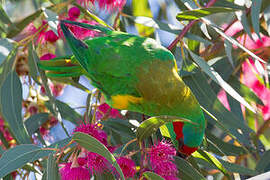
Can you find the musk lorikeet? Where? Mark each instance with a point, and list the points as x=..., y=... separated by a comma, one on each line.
x=134, y=73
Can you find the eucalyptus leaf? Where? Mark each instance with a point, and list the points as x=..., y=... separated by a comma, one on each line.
x=266, y=15
x=233, y=167
x=152, y=176
x=52, y=19
x=11, y=106
x=211, y=160
x=218, y=79
x=3, y=16
x=18, y=156
x=33, y=123
x=19, y=26
x=263, y=162
x=93, y=145
x=52, y=169
x=202, y=12
x=32, y=63
x=185, y=167
x=255, y=16
x=66, y=111
x=151, y=125
x=6, y=46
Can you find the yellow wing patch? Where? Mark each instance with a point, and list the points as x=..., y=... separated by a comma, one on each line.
x=122, y=101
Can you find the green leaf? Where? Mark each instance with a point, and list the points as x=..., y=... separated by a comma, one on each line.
x=255, y=15
x=241, y=15
x=6, y=46
x=18, y=156
x=120, y=126
x=19, y=26
x=218, y=79
x=228, y=4
x=66, y=112
x=233, y=41
x=52, y=169
x=220, y=116
x=93, y=145
x=228, y=50
x=152, y=176
x=52, y=19
x=247, y=93
x=199, y=13
x=211, y=160
x=11, y=106
x=33, y=123
x=232, y=167
x=185, y=167
x=266, y=15
x=150, y=22
x=227, y=148
x=3, y=16
x=151, y=125
x=263, y=162
x=32, y=63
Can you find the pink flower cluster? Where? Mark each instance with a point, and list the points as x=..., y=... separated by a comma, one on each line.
x=6, y=133
x=80, y=33
x=110, y=5
x=105, y=109
x=250, y=72
x=161, y=158
x=89, y=163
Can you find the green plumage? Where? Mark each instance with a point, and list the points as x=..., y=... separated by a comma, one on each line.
x=134, y=73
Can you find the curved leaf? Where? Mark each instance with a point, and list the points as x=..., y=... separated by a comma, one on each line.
x=151, y=125
x=152, y=176
x=211, y=160
x=218, y=79
x=199, y=13
x=11, y=106
x=52, y=169
x=92, y=144
x=185, y=167
x=263, y=162
x=18, y=156
x=35, y=121
x=255, y=15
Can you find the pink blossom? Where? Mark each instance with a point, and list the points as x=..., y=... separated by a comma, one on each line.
x=77, y=173
x=163, y=151
x=97, y=163
x=161, y=158
x=165, y=169
x=47, y=56
x=104, y=108
x=128, y=166
x=248, y=68
x=110, y=5
x=74, y=12
x=223, y=99
x=31, y=30
x=94, y=131
x=79, y=32
x=50, y=36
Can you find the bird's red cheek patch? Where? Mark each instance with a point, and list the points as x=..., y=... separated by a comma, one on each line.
x=178, y=129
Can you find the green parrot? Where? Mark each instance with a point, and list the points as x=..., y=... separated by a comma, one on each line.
x=136, y=74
